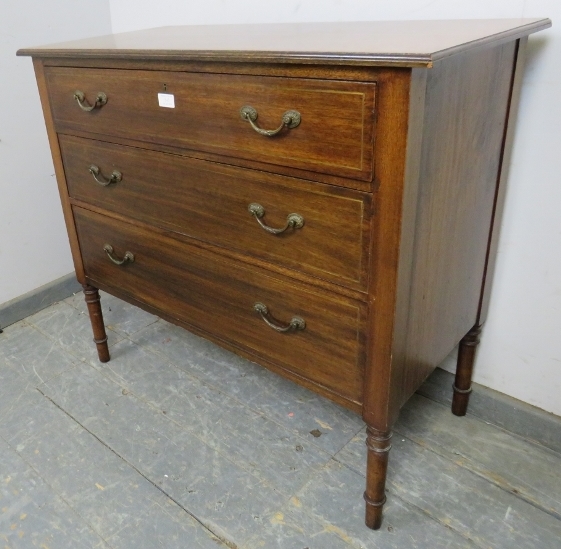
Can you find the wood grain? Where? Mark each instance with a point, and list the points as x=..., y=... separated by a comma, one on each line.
x=500, y=193
x=91, y=296
x=210, y=202
x=317, y=388
x=378, y=448
x=235, y=256
x=322, y=72
x=464, y=370
x=391, y=152
x=202, y=289
x=335, y=134
x=59, y=171
x=395, y=43
x=466, y=104
x=394, y=168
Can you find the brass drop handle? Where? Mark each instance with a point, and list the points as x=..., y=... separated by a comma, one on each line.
x=115, y=176
x=290, y=119
x=297, y=322
x=293, y=220
x=80, y=97
x=128, y=258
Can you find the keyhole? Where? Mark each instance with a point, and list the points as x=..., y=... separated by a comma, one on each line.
x=165, y=87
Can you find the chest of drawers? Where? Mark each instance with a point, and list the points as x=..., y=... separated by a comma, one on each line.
x=319, y=198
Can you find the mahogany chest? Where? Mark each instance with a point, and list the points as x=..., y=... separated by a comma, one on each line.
x=319, y=198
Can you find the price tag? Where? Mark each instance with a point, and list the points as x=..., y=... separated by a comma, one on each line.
x=166, y=100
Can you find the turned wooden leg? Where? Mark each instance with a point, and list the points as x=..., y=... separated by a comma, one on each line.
x=379, y=446
x=464, y=370
x=96, y=318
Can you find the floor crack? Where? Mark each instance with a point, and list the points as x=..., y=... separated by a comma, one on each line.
x=225, y=541
x=57, y=494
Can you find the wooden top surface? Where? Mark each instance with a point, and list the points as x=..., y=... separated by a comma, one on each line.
x=402, y=43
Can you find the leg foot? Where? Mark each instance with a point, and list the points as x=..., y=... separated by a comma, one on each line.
x=379, y=446
x=464, y=370
x=91, y=295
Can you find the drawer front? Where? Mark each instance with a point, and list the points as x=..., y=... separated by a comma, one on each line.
x=217, y=295
x=334, y=136
x=210, y=202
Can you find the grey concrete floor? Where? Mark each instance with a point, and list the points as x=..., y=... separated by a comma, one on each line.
x=176, y=443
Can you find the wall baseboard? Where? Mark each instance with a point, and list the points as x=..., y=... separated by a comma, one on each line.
x=502, y=410
x=40, y=298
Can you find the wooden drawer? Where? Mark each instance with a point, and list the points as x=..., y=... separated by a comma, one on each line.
x=216, y=295
x=210, y=202
x=335, y=134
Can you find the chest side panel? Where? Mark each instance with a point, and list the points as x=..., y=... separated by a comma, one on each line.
x=466, y=111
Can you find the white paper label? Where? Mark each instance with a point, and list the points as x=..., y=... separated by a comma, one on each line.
x=166, y=100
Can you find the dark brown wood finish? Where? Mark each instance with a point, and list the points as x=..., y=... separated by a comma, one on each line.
x=428, y=276
x=365, y=186
x=334, y=136
x=378, y=445
x=210, y=202
x=241, y=351
x=317, y=72
x=502, y=179
x=464, y=371
x=392, y=266
x=203, y=290
x=397, y=88
x=370, y=43
x=233, y=255
x=314, y=72
x=466, y=101
x=91, y=295
x=59, y=170
x=468, y=344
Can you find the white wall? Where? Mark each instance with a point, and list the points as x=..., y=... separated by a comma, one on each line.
x=34, y=248
x=520, y=353
x=136, y=14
